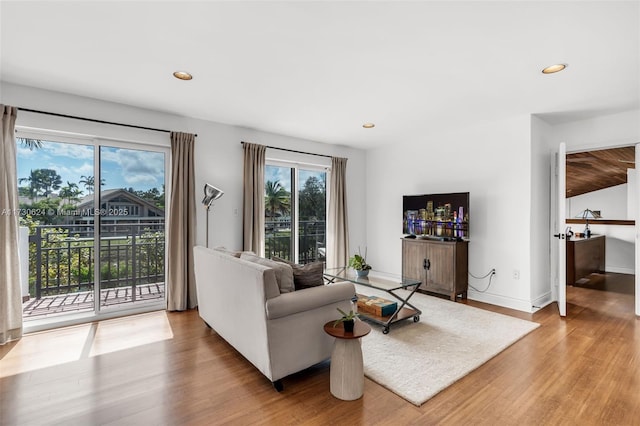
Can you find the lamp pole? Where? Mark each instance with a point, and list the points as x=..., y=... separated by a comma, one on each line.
x=207, y=227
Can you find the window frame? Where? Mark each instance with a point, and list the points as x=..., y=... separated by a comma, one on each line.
x=96, y=141
x=296, y=166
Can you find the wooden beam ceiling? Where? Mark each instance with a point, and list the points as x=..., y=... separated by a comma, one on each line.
x=594, y=170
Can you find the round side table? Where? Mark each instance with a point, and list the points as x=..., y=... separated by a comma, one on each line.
x=347, y=371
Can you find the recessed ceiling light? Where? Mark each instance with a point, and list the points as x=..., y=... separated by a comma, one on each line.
x=182, y=75
x=554, y=68
x=368, y=125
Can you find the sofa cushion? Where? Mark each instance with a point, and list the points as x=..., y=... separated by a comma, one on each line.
x=313, y=298
x=225, y=250
x=284, y=272
x=305, y=276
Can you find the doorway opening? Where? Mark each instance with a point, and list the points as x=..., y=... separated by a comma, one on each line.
x=601, y=207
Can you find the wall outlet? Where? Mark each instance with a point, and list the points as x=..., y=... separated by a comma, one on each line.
x=516, y=274
x=493, y=272
x=235, y=212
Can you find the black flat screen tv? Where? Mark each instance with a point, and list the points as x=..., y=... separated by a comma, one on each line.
x=436, y=216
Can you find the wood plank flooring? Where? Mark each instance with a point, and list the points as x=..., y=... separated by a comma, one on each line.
x=169, y=368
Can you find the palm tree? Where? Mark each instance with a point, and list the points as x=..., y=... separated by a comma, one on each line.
x=34, y=184
x=277, y=199
x=31, y=143
x=89, y=183
x=70, y=192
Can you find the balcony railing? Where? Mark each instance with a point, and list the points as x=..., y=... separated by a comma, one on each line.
x=311, y=245
x=62, y=258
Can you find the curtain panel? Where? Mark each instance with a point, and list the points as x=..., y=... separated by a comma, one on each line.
x=337, y=225
x=253, y=199
x=181, y=283
x=10, y=290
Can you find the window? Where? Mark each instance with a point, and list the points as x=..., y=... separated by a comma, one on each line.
x=295, y=212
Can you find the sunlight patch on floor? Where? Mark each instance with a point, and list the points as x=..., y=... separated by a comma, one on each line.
x=45, y=349
x=128, y=332
x=63, y=345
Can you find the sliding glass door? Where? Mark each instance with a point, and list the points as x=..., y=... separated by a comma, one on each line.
x=94, y=220
x=132, y=226
x=55, y=213
x=295, y=212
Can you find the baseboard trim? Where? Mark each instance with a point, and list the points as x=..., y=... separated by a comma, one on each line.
x=617, y=270
x=505, y=302
x=542, y=301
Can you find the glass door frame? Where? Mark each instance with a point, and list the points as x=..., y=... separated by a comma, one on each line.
x=97, y=142
x=97, y=221
x=296, y=167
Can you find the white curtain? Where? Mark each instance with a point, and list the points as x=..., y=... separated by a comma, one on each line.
x=337, y=225
x=181, y=282
x=10, y=293
x=253, y=205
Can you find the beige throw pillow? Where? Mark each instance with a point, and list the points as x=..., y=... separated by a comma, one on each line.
x=305, y=276
x=284, y=272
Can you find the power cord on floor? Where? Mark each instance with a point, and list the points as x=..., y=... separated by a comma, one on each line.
x=489, y=274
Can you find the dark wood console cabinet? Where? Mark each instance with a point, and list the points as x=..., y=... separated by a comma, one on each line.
x=441, y=265
x=584, y=256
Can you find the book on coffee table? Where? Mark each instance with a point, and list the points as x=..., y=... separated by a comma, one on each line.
x=376, y=305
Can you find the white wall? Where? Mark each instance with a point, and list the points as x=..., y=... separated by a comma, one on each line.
x=611, y=202
x=465, y=159
x=219, y=162
x=542, y=168
x=218, y=152
x=600, y=132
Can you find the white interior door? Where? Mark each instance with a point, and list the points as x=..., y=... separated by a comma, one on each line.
x=637, y=218
x=561, y=165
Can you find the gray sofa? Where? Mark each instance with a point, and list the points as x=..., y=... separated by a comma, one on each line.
x=280, y=333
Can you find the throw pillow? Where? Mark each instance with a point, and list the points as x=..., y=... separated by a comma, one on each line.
x=284, y=272
x=305, y=276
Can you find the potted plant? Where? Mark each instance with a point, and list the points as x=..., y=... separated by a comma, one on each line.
x=359, y=263
x=348, y=319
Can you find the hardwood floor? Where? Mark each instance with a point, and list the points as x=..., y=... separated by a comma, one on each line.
x=169, y=368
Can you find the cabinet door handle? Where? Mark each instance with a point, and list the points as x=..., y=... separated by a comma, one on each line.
x=426, y=264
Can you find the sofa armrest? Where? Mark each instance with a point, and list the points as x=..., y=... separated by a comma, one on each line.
x=307, y=299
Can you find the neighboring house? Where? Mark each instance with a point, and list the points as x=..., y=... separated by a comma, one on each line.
x=116, y=206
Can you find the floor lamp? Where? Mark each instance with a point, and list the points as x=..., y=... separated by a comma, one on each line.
x=211, y=193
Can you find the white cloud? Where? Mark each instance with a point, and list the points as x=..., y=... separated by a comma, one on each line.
x=79, y=152
x=25, y=152
x=135, y=167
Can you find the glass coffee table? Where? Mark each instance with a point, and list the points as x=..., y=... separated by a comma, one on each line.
x=387, y=283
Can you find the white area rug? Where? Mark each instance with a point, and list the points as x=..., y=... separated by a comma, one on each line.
x=418, y=360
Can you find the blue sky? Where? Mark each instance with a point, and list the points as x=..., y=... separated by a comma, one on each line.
x=121, y=168
x=283, y=175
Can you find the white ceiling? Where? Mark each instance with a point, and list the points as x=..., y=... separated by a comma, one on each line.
x=318, y=70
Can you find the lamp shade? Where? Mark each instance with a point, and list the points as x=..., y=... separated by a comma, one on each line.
x=589, y=214
x=211, y=193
